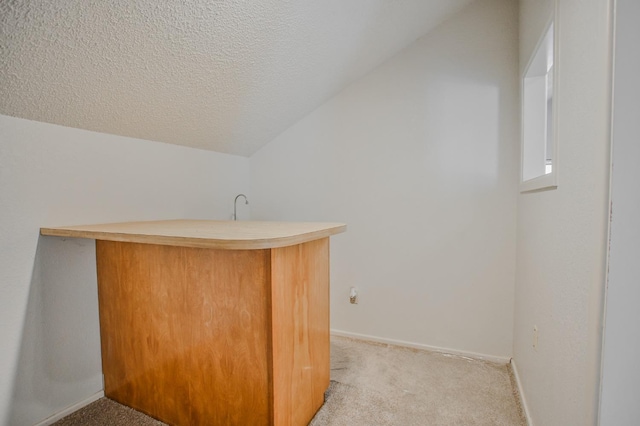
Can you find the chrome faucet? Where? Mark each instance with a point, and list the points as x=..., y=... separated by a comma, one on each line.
x=246, y=201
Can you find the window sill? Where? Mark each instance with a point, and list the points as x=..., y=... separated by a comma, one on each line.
x=541, y=183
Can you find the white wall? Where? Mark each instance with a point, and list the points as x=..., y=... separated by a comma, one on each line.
x=620, y=374
x=420, y=159
x=52, y=175
x=562, y=234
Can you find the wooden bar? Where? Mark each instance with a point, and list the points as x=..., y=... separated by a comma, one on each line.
x=198, y=331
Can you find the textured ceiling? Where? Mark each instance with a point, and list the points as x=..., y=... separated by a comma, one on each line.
x=226, y=76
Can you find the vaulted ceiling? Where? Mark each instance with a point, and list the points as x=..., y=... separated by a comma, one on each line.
x=226, y=76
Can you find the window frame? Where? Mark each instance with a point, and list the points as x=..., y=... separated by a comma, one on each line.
x=550, y=180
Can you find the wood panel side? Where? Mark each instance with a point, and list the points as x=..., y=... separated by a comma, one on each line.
x=135, y=359
x=230, y=381
x=300, y=316
x=185, y=332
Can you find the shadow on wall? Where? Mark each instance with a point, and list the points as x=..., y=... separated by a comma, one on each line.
x=59, y=362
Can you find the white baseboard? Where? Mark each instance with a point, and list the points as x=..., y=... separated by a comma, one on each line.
x=467, y=354
x=70, y=409
x=523, y=400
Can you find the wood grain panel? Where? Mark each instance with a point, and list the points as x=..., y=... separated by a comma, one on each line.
x=185, y=332
x=300, y=315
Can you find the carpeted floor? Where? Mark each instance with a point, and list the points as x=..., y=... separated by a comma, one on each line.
x=376, y=384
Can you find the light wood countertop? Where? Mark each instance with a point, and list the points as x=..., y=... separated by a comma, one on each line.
x=229, y=235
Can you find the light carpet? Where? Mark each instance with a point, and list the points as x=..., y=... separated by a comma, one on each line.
x=378, y=384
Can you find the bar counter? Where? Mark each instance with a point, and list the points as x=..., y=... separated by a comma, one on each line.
x=214, y=322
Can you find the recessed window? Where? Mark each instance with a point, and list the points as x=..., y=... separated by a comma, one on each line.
x=539, y=165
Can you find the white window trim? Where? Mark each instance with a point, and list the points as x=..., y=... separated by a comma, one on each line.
x=548, y=181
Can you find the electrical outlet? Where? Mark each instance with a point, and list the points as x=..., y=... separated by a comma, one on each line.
x=353, y=296
x=535, y=337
